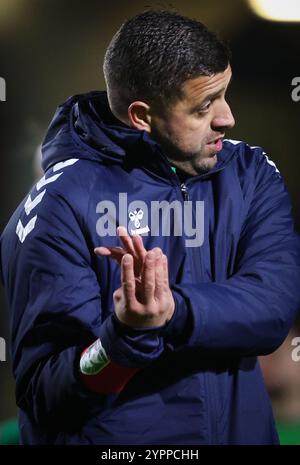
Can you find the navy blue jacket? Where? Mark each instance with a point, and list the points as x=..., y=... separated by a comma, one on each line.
x=199, y=381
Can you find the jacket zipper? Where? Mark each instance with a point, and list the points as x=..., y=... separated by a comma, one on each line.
x=184, y=191
x=209, y=387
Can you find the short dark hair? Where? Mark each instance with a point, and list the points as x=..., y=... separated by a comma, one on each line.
x=154, y=53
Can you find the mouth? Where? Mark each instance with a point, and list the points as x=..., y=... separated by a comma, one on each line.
x=217, y=144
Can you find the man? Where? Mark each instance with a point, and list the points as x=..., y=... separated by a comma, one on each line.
x=153, y=339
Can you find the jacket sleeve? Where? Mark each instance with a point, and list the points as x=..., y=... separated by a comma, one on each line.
x=249, y=313
x=55, y=301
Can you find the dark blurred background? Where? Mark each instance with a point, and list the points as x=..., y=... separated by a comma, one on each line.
x=51, y=49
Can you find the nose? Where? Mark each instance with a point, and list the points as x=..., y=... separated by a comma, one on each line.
x=223, y=117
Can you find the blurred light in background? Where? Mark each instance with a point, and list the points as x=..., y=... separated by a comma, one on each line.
x=277, y=10
x=11, y=13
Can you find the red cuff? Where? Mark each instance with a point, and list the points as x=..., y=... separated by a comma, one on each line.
x=112, y=379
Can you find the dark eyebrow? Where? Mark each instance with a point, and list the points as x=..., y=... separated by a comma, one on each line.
x=210, y=97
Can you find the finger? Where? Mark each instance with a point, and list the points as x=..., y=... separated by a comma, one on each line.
x=117, y=295
x=109, y=251
x=122, y=231
x=116, y=253
x=140, y=254
x=159, y=275
x=128, y=279
x=133, y=245
x=102, y=251
x=165, y=271
x=148, y=277
x=139, y=247
x=126, y=240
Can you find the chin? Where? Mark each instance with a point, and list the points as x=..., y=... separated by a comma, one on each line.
x=207, y=164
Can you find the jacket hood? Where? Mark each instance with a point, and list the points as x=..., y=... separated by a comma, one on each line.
x=84, y=127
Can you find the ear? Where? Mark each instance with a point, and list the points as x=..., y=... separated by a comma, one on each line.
x=139, y=116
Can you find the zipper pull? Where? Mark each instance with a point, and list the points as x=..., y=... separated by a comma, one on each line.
x=184, y=191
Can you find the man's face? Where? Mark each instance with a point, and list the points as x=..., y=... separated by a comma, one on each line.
x=192, y=129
